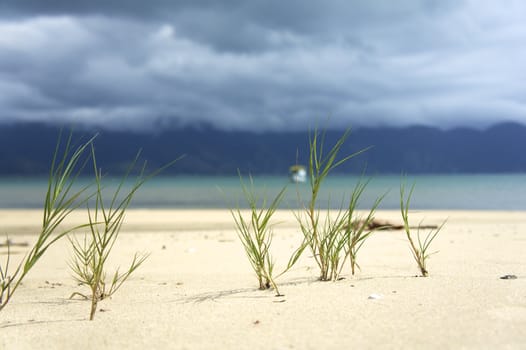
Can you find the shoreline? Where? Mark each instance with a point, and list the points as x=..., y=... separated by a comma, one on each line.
x=197, y=289
x=27, y=221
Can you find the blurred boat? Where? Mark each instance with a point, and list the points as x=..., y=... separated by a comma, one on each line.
x=297, y=174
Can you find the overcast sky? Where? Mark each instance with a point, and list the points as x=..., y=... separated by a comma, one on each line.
x=263, y=64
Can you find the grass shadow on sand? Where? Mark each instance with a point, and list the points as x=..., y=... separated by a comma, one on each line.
x=34, y=322
x=242, y=293
x=255, y=293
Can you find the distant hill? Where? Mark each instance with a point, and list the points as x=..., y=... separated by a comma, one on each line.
x=26, y=149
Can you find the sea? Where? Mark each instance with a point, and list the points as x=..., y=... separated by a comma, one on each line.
x=448, y=192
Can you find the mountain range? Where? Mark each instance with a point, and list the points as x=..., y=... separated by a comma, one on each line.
x=27, y=149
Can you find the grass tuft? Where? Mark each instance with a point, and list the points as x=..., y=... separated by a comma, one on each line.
x=420, y=248
x=61, y=199
x=327, y=241
x=105, y=222
x=256, y=233
x=357, y=227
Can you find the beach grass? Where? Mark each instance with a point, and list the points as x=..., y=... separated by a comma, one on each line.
x=420, y=248
x=327, y=240
x=256, y=233
x=357, y=227
x=90, y=256
x=60, y=200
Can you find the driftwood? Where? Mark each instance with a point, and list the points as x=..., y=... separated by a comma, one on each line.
x=10, y=243
x=380, y=225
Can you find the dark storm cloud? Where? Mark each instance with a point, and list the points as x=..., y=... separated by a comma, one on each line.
x=262, y=64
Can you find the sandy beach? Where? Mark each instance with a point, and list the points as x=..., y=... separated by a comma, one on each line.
x=197, y=289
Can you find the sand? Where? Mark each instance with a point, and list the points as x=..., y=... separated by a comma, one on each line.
x=197, y=290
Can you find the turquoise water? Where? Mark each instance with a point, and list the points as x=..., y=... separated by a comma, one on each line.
x=477, y=192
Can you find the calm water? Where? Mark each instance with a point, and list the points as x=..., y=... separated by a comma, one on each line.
x=504, y=192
